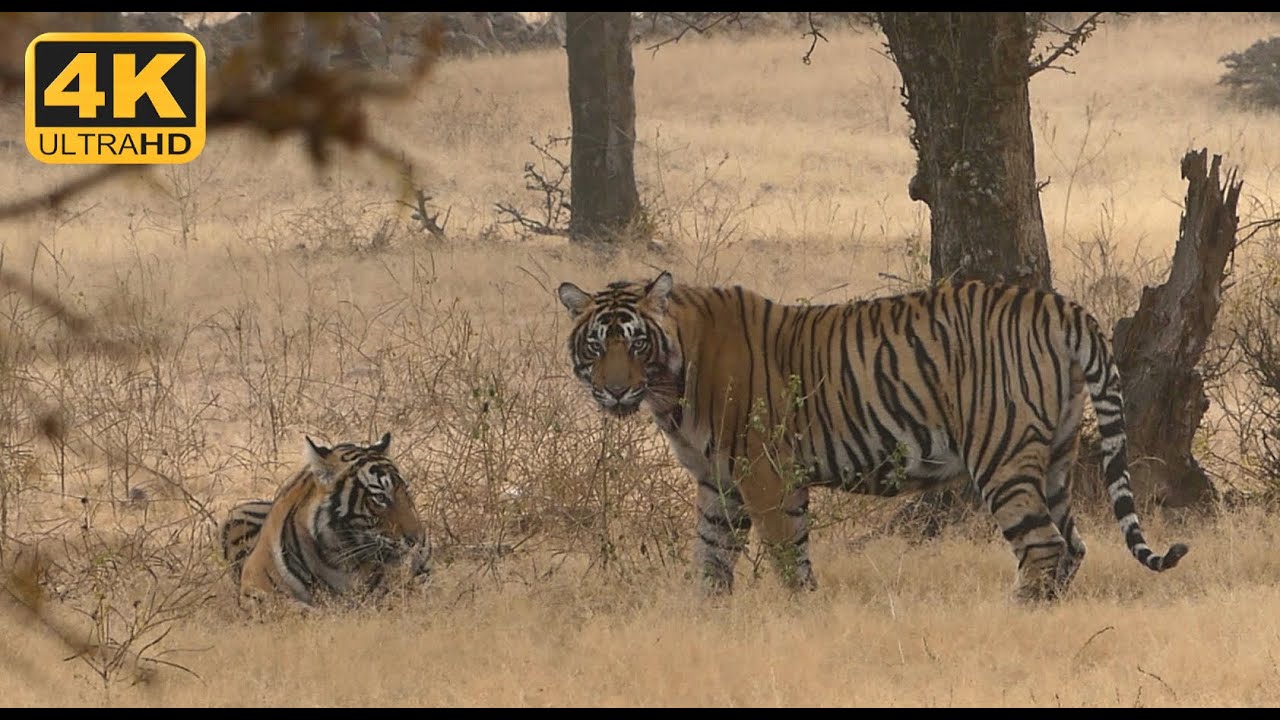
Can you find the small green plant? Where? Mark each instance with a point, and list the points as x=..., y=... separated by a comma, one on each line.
x=898, y=466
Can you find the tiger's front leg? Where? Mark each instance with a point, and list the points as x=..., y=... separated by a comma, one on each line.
x=723, y=527
x=263, y=606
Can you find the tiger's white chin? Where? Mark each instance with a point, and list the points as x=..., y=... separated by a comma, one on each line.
x=620, y=409
x=624, y=410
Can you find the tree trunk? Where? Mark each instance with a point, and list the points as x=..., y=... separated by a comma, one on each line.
x=603, y=197
x=965, y=78
x=1159, y=348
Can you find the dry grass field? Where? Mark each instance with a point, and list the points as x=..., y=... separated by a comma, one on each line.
x=266, y=301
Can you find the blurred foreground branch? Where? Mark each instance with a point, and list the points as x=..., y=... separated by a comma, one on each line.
x=271, y=84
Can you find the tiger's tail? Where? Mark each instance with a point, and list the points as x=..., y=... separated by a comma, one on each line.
x=1094, y=354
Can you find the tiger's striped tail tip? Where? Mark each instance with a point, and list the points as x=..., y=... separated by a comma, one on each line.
x=1170, y=559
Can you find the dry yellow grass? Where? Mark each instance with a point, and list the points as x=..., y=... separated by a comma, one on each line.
x=270, y=302
x=892, y=626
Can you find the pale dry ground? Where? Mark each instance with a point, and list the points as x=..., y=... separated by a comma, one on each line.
x=308, y=304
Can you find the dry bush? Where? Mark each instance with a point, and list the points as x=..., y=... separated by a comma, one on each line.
x=1248, y=353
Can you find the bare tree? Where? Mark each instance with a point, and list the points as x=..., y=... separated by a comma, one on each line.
x=603, y=197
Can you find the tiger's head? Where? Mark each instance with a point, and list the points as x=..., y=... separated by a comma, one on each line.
x=367, y=515
x=619, y=345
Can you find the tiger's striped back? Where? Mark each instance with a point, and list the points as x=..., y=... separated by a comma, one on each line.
x=760, y=401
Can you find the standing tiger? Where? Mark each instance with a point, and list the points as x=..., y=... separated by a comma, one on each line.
x=761, y=400
x=334, y=527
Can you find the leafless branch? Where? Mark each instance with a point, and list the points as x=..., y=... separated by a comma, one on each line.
x=1159, y=680
x=528, y=223
x=1092, y=638
x=1256, y=226
x=50, y=199
x=550, y=186
x=323, y=105
x=814, y=33
x=1069, y=47
x=697, y=22
x=22, y=592
x=78, y=324
x=430, y=222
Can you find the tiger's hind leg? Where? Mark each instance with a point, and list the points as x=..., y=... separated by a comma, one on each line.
x=238, y=533
x=789, y=549
x=1013, y=492
x=1062, y=455
x=781, y=517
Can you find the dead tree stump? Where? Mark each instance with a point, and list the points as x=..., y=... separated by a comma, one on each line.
x=1158, y=349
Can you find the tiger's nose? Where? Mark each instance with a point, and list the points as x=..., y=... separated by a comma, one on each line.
x=616, y=391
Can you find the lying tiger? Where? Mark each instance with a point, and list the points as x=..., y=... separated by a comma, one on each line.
x=334, y=528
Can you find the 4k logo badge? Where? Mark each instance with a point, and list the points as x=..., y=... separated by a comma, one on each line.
x=116, y=98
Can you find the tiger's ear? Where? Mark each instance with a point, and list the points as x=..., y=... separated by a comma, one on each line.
x=317, y=457
x=319, y=452
x=573, y=298
x=382, y=444
x=657, y=291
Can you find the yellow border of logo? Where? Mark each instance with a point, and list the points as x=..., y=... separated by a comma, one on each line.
x=198, y=131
